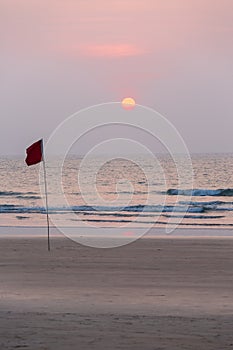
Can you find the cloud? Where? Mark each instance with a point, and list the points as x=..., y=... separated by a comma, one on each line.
x=111, y=50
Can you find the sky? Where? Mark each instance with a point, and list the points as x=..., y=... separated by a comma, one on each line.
x=59, y=56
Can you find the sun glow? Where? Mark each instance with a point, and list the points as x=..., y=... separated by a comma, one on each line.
x=128, y=103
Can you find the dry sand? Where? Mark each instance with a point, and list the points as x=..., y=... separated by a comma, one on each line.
x=152, y=294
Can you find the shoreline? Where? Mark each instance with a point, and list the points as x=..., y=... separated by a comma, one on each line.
x=153, y=233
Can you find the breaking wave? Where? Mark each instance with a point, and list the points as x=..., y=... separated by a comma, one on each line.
x=8, y=208
x=228, y=192
x=28, y=195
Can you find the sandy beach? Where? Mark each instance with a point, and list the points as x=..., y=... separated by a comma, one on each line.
x=152, y=294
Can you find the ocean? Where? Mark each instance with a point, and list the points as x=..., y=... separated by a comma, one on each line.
x=123, y=192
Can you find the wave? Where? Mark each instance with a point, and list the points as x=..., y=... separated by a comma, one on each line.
x=9, y=193
x=16, y=194
x=227, y=192
x=28, y=197
x=127, y=215
x=131, y=211
x=180, y=207
x=204, y=203
x=197, y=224
x=8, y=208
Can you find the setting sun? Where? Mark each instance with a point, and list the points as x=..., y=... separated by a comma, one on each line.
x=128, y=103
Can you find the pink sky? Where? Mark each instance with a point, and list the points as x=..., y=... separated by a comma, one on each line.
x=59, y=56
x=150, y=26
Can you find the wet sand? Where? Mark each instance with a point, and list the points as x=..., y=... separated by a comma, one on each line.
x=173, y=293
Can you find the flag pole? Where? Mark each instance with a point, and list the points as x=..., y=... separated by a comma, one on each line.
x=46, y=195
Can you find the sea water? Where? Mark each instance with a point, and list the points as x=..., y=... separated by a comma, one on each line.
x=125, y=190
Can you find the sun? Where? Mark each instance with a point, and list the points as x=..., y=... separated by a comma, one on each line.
x=128, y=103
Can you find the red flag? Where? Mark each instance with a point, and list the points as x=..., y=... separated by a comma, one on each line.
x=34, y=153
